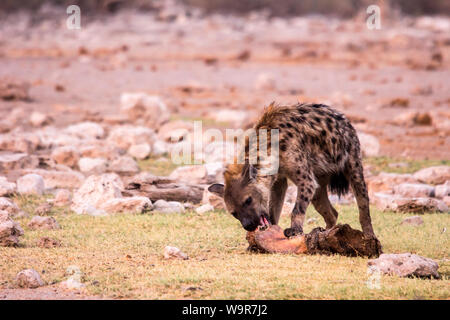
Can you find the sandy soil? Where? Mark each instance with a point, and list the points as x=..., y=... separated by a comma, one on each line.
x=201, y=64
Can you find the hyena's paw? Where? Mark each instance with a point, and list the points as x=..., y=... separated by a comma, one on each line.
x=291, y=232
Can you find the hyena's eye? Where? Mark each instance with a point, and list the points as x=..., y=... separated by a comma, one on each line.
x=248, y=201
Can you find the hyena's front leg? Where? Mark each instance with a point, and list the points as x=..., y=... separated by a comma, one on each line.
x=306, y=186
x=277, y=194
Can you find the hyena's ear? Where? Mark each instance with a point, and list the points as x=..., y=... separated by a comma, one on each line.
x=249, y=172
x=217, y=189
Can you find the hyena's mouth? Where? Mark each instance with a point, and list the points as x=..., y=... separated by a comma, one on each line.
x=263, y=222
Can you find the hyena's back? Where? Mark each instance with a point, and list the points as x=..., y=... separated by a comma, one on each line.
x=315, y=136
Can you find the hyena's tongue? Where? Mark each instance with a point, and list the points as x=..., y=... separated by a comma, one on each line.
x=263, y=222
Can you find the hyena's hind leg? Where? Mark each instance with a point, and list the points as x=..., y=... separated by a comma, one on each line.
x=323, y=206
x=306, y=185
x=277, y=194
x=355, y=176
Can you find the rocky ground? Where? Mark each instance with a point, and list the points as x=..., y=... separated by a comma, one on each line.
x=88, y=116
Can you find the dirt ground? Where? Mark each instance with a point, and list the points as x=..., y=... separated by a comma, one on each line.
x=198, y=65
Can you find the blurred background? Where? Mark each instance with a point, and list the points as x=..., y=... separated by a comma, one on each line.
x=222, y=61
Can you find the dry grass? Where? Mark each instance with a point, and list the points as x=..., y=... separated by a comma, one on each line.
x=121, y=257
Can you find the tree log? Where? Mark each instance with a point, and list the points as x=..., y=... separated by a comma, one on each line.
x=341, y=239
x=156, y=188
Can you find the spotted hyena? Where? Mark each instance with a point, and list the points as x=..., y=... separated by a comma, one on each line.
x=318, y=150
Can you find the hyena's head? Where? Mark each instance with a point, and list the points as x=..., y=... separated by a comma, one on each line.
x=245, y=195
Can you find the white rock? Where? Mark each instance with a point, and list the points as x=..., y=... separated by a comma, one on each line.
x=72, y=284
x=140, y=151
x=30, y=184
x=192, y=174
x=95, y=191
x=10, y=231
x=48, y=223
x=230, y=115
x=387, y=202
x=38, y=119
x=124, y=165
x=385, y=182
x=370, y=146
x=128, y=205
x=175, y=131
x=86, y=130
x=63, y=197
x=60, y=179
x=168, y=206
x=125, y=136
x=441, y=191
x=265, y=81
x=159, y=148
x=433, y=175
x=29, y=278
x=174, y=252
x=66, y=155
x=92, y=165
x=204, y=208
x=6, y=187
x=17, y=161
x=405, y=265
x=10, y=207
x=144, y=109
x=212, y=199
x=414, y=190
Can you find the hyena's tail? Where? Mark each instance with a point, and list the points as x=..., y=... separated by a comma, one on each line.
x=339, y=184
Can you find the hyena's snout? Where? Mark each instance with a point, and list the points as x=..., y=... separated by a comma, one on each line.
x=251, y=223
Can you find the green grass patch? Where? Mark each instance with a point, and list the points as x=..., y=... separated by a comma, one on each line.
x=121, y=256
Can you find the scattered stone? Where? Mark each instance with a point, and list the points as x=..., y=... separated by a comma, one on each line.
x=13, y=90
x=63, y=197
x=125, y=136
x=311, y=221
x=86, y=130
x=370, y=146
x=413, y=118
x=235, y=117
x=10, y=207
x=43, y=209
x=95, y=191
x=414, y=190
x=441, y=191
x=66, y=155
x=433, y=175
x=29, y=278
x=140, y=151
x=124, y=165
x=387, y=202
x=128, y=205
x=30, y=184
x=60, y=179
x=159, y=148
x=422, y=91
x=144, y=109
x=20, y=142
x=92, y=165
x=48, y=243
x=265, y=81
x=72, y=284
x=106, y=151
x=414, y=221
x=17, y=161
x=38, y=119
x=174, y=252
x=193, y=173
x=175, y=131
x=164, y=206
x=10, y=231
x=48, y=223
x=398, y=102
x=6, y=187
x=204, y=208
x=385, y=182
x=405, y=265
